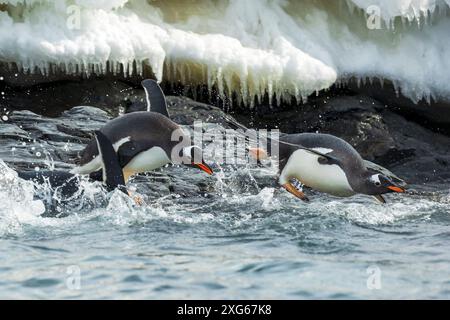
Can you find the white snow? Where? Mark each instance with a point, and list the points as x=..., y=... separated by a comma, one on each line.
x=284, y=48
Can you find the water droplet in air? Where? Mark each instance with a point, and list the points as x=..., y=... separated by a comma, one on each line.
x=37, y=169
x=38, y=154
x=5, y=118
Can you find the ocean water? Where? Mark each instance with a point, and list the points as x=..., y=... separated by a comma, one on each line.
x=242, y=239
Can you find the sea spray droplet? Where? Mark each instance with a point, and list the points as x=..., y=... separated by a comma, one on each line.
x=38, y=154
x=5, y=118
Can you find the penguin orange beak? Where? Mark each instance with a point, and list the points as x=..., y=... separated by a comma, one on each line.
x=396, y=189
x=203, y=166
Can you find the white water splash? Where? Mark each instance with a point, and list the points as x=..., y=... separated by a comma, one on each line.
x=279, y=47
x=17, y=206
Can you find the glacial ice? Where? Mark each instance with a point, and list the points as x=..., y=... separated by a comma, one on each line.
x=250, y=48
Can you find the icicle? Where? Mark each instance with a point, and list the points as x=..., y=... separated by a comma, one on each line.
x=270, y=92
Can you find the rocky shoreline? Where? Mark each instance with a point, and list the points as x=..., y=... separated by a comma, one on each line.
x=42, y=120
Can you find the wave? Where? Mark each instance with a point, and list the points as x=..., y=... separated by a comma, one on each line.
x=229, y=207
x=251, y=48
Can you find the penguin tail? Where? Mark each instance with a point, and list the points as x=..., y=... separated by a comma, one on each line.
x=156, y=100
x=112, y=174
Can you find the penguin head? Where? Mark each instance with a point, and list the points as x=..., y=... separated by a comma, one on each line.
x=376, y=184
x=194, y=157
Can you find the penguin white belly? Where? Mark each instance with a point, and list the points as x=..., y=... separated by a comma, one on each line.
x=304, y=166
x=148, y=160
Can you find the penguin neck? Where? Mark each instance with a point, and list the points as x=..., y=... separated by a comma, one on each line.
x=358, y=180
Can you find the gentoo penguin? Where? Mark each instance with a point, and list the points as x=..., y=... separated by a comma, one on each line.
x=68, y=184
x=144, y=140
x=328, y=164
x=337, y=168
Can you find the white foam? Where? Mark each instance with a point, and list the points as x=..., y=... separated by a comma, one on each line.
x=284, y=48
x=17, y=206
x=370, y=212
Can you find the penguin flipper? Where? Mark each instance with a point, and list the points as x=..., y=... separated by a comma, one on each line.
x=380, y=198
x=156, y=100
x=112, y=172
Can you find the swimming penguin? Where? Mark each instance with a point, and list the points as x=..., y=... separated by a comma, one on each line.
x=328, y=164
x=337, y=168
x=144, y=140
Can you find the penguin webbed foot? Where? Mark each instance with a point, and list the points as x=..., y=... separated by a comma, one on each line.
x=137, y=199
x=295, y=188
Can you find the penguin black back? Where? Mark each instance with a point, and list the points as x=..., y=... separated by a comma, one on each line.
x=132, y=133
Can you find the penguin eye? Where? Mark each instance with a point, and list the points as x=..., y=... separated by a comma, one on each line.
x=375, y=179
x=322, y=160
x=188, y=151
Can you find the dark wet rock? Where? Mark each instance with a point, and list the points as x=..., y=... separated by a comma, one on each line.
x=379, y=132
x=186, y=111
x=53, y=98
x=29, y=140
x=12, y=131
x=432, y=114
